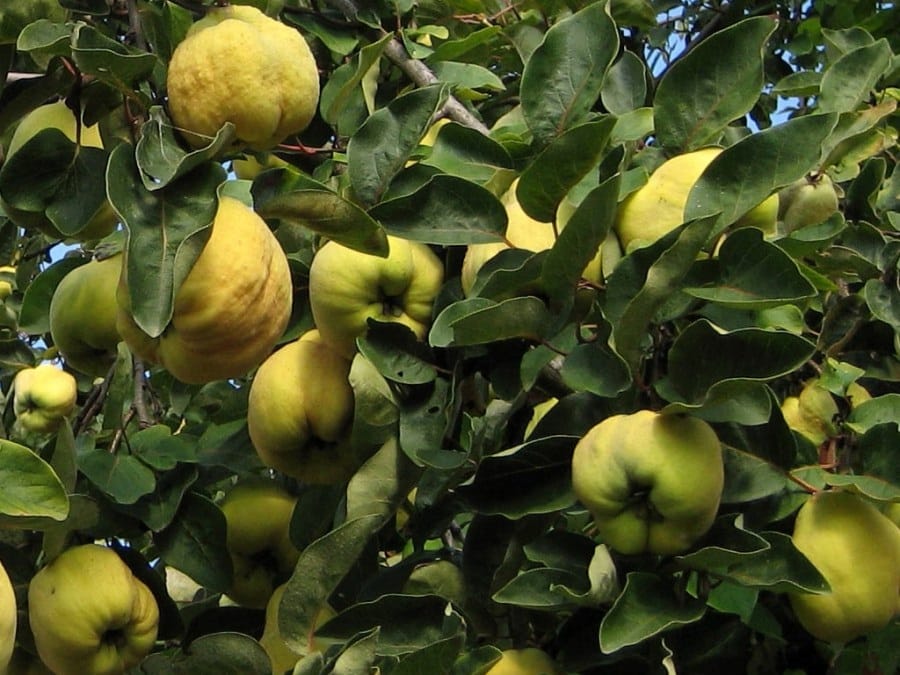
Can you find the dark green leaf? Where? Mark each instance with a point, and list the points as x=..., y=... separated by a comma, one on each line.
x=850, y=80
x=625, y=88
x=397, y=354
x=109, y=60
x=471, y=322
x=123, y=477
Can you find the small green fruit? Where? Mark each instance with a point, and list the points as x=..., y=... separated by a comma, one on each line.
x=808, y=201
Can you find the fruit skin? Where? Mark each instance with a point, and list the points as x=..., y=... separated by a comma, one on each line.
x=346, y=288
x=89, y=614
x=58, y=116
x=269, y=92
x=7, y=281
x=812, y=412
x=655, y=209
x=281, y=656
x=83, y=316
x=230, y=310
x=258, y=517
x=300, y=412
x=857, y=550
x=528, y=661
x=808, y=201
x=7, y=619
x=44, y=396
x=652, y=482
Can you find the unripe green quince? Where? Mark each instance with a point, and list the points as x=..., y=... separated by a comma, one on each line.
x=528, y=661
x=652, y=482
x=808, y=201
x=89, y=614
x=83, y=316
x=258, y=518
x=857, y=549
x=43, y=397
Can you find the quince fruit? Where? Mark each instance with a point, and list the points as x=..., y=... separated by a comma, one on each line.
x=43, y=397
x=300, y=412
x=808, y=201
x=528, y=661
x=857, y=549
x=258, y=519
x=7, y=281
x=347, y=287
x=230, y=310
x=83, y=316
x=57, y=116
x=655, y=209
x=7, y=619
x=652, y=482
x=89, y=614
x=812, y=412
x=238, y=65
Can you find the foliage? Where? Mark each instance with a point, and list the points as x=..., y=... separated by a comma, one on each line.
x=581, y=100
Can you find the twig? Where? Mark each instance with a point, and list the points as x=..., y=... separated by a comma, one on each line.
x=140, y=401
x=94, y=403
x=134, y=23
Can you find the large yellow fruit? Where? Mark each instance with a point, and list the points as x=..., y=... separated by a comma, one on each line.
x=346, y=288
x=258, y=518
x=528, y=661
x=857, y=550
x=43, y=397
x=83, y=316
x=230, y=310
x=655, y=209
x=523, y=232
x=238, y=65
x=58, y=116
x=7, y=619
x=89, y=614
x=652, y=482
x=300, y=412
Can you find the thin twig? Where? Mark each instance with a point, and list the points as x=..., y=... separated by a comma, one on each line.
x=140, y=389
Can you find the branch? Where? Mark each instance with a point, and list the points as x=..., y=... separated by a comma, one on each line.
x=140, y=402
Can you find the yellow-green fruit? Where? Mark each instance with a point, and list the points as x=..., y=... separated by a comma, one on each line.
x=7, y=619
x=857, y=549
x=808, y=201
x=812, y=413
x=652, y=482
x=250, y=167
x=43, y=397
x=230, y=310
x=238, y=65
x=522, y=232
x=655, y=209
x=83, y=316
x=281, y=656
x=7, y=281
x=58, y=116
x=258, y=518
x=89, y=614
x=300, y=412
x=528, y=661
x=346, y=288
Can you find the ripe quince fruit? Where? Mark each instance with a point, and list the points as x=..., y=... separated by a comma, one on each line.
x=652, y=482
x=229, y=311
x=43, y=397
x=528, y=661
x=238, y=65
x=300, y=412
x=812, y=412
x=857, y=549
x=258, y=518
x=656, y=208
x=58, y=116
x=347, y=287
x=7, y=619
x=89, y=614
x=83, y=316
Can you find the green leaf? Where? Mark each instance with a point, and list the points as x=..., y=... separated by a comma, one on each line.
x=345, y=82
x=379, y=150
x=223, y=653
x=375, y=407
x=397, y=354
x=158, y=509
x=123, y=477
x=45, y=39
x=467, y=76
x=714, y=83
x=561, y=165
x=754, y=274
x=747, y=354
x=748, y=478
x=879, y=410
x=167, y=229
x=109, y=60
x=564, y=75
x=319, y=570
x=358, y=655
x=195, y=543
x=884, y=301
x=647, y=606
x=14, y=17
x=535, y=477
x=746, y=173
x=625, y=87
x=158, y=448
x=733, y=400
x=472, y=322
x=850, y=80
x=382, y=483
x=33, y=496
x=445, y=210
x=423, y=427
x=467, y=153
x=292, y=197
x=596, y=368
